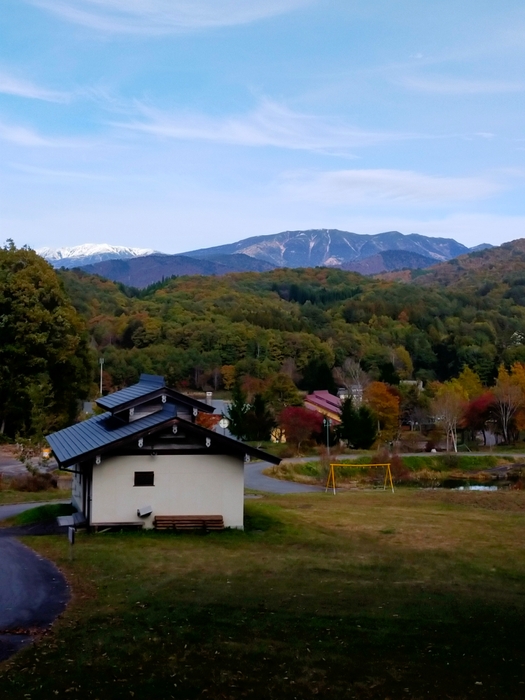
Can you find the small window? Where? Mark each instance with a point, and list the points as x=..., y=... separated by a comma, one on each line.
x=144, y=479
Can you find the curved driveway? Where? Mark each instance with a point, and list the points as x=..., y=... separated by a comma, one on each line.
x=256, y=480
x=33, y=592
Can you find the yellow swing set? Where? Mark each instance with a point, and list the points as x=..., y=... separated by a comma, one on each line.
x=331, y=474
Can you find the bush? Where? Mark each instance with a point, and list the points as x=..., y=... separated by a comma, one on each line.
x=33, y=482
x=400, y=472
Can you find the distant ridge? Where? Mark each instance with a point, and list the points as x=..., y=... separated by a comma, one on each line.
x=142, y=271
x=488, y=266
x=333, y=248
x=388, y=261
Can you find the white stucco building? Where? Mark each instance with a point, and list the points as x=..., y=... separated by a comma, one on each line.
x=147, y=458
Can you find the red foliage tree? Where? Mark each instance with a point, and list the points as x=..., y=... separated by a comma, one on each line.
x=300, y=424
x=477, y=413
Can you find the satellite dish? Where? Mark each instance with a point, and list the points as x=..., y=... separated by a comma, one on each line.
x=224, y=423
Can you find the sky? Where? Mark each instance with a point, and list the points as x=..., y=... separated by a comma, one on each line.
x=181, y=124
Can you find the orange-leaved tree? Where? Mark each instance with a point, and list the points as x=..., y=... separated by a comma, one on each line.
x=383, y=400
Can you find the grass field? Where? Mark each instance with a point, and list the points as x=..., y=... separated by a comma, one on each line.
x=38, y=514
x=362, y=595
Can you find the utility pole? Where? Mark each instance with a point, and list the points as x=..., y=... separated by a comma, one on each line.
x=101, y=363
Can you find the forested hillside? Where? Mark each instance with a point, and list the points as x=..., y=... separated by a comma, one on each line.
x=195, y=330
x=45, y=363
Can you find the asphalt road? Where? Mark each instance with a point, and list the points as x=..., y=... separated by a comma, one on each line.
x=256, y=480
x=32, y=590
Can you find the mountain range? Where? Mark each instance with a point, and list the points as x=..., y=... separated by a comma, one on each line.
x=90, y=253
x=142, y=271
x=366, y=254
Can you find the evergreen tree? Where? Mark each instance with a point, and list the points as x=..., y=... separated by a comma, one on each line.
x=317, y=375
x=367, y=424
x=238, y=411
x=259, y=420
x=348, y=427
x=358, y=426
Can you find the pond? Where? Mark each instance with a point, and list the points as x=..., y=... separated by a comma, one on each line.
x=478, y=485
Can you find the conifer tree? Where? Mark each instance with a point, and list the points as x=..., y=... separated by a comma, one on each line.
x=358, y=426
x=238, y=411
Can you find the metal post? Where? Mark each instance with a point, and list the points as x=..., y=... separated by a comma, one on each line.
x=327, y=422
x=101, y=363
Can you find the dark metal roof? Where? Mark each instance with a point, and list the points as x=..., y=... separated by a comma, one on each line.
x=149, y=387
x=86, y=438
x=148, y=384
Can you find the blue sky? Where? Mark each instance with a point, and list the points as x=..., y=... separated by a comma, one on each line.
x=178, y=124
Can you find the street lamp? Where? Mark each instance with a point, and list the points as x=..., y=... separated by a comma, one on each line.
x=101, y=363
x=327, y=423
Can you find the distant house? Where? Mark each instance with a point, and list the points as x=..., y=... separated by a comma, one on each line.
x=146, y=457
x=354, y=392
x=325, y=403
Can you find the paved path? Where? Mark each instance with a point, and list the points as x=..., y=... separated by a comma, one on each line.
x=32, y=590
x=256, y=480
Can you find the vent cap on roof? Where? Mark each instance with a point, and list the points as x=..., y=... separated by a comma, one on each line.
x=155, y=379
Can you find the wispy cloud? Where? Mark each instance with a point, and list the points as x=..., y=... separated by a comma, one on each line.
x=51, y=174
x=391, y=186
x=444, y=85
x=24, y=136
x=270, y=124
x=11, y=85
x=164, y=16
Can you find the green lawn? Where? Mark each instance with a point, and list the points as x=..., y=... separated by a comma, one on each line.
x=39, y=514
x=362, y=595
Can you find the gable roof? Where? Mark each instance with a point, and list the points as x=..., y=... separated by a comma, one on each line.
x=149, y=386
x=323, y=399
x=87, y=438
x=110, y=430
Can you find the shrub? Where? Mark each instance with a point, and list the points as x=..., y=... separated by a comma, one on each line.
x=33, y=482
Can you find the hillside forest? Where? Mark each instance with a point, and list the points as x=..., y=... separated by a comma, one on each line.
x=458, y=328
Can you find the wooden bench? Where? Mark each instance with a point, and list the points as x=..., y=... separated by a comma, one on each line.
x=189, y=522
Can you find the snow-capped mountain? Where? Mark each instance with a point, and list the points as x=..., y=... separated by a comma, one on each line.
x=90, y=253
x=333, y=248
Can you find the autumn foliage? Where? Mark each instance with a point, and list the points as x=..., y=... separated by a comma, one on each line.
x=300, y=424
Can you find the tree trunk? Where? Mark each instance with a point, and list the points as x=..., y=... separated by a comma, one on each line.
x=2, y=426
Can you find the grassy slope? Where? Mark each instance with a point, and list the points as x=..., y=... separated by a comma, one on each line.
x=10, y=496
x=362, y=595
x=39, y=514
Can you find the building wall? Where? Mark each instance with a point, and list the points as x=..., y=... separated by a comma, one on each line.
x=184, y=485
x=76, y=490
